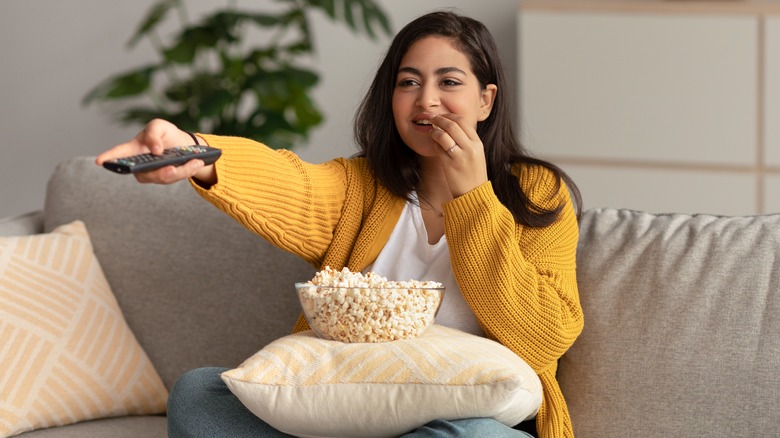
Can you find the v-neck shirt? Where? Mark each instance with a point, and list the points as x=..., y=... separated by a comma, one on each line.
x=407, y=255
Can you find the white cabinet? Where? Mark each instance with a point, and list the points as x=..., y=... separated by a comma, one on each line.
x=656, y=105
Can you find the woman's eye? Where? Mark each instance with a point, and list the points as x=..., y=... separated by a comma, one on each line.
x=407, y=83
x=449, y=83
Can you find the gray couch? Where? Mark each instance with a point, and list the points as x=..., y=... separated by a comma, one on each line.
x=682, y=332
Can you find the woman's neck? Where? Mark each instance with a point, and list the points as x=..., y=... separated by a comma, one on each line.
x=432, y=191
x=433, y=183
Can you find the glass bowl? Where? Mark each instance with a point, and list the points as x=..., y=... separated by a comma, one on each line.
x=379, y=314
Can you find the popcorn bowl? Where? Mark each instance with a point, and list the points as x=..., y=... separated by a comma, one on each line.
x=369, y=314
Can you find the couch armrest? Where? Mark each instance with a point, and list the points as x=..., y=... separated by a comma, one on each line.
x=30, y=223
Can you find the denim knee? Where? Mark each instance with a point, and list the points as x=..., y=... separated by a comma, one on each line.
x=466, y=428
x=187, y=397
x=201, y=405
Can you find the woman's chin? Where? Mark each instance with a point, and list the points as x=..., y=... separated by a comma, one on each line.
x=427, y=150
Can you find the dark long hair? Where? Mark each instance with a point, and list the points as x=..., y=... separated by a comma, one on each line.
x=396, y=166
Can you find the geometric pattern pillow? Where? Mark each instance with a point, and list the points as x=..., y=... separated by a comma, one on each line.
x=311, y=387
x=66, y=352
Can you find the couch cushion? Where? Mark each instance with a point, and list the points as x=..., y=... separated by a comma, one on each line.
x=146, y=426
x=66, y=354
x=30, y=223
x=196, y=287
x=682, y=321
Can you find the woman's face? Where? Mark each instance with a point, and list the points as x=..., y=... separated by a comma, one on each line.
x=435, y=78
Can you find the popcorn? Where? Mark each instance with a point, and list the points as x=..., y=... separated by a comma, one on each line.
x=352, y=307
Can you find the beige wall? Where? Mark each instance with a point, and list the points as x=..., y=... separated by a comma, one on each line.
x=52, y=52
x=656, y=105
x=651, y=104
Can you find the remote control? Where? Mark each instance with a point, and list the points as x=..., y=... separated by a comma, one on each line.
x=174, y=156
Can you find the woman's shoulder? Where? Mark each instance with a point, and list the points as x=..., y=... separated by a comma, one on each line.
x=541, y=184
x=535, y=176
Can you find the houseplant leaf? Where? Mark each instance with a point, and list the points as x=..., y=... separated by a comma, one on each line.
x=209, y=79
x=127, y=84
x=156, y=14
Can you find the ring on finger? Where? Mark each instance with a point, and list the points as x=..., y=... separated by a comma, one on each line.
x=452, y=148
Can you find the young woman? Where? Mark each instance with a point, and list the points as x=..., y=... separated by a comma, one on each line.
x=440, y=179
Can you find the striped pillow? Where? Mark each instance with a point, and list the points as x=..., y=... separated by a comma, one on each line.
x=311, y=387
x=66, y=354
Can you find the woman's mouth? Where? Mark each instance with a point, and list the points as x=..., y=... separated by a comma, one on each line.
x=423, y=125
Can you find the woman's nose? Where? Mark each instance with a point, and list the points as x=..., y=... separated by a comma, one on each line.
x=428, y=97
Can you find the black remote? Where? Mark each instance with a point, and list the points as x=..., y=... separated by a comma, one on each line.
x=174, y=156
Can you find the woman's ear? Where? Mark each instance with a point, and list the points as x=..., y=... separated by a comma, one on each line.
x=488, y=97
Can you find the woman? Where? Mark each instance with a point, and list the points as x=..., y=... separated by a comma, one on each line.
x=440, y=179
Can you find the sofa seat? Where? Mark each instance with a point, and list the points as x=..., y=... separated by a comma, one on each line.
x=141, y=426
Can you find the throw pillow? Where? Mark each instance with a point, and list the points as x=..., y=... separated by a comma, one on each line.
x=311, y=387
x=67, y=353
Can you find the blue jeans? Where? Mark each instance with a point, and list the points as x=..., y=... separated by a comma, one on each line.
x=201, y=405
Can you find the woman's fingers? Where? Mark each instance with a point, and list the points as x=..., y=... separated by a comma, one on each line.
x=170, y=174
x=119, y=151
x=156, y=136
x=161, y=134
x=444, y=132
x=462, y=153
x=455, y=129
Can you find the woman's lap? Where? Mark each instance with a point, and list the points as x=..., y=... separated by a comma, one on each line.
x=201, y=405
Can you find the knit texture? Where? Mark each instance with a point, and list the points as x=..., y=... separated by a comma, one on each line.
x=519, y=281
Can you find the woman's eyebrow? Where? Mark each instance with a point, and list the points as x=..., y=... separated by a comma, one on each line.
x=439, y=71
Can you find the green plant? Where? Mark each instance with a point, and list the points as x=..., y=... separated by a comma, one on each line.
x=211, y=79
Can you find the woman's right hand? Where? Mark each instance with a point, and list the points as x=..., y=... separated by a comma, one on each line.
x=157, y=136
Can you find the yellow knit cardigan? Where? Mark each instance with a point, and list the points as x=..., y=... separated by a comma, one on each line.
x=519, y=281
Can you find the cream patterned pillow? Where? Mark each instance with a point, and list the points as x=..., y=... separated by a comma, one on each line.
x=311, y=387
x=67, y=353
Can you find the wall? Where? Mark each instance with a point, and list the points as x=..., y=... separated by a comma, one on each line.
x=53, y=52
x=656, y=105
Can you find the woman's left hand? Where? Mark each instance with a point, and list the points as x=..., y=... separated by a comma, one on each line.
x=462, y=153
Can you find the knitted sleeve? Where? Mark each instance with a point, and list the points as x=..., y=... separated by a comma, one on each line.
x=520, y=281
x=293, y=204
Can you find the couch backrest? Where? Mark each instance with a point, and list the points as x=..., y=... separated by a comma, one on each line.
x=196, y=287
x=682, y=329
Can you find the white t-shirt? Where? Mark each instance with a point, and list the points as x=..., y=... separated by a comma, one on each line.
x=408, y=256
